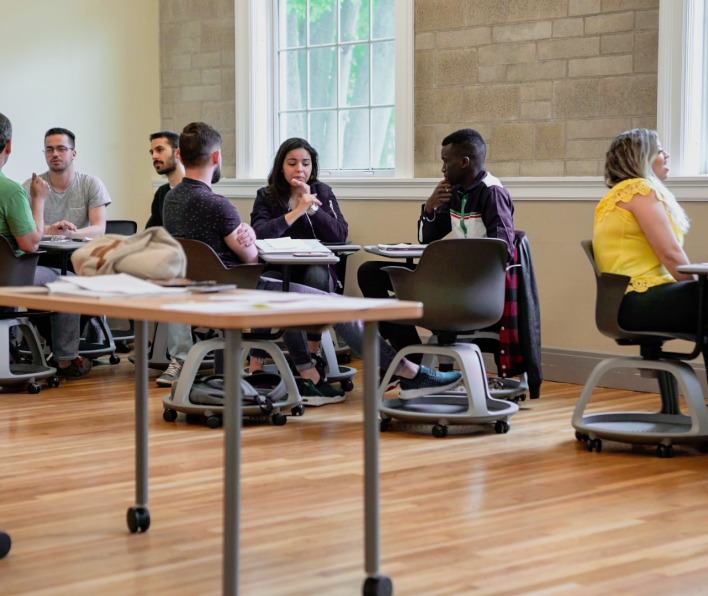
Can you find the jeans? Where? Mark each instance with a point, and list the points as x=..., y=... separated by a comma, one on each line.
x=179, y=341
x=352, y=332
x=64, y=327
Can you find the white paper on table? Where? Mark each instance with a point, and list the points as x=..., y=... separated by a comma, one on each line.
x=115, y=285
x=288, y=245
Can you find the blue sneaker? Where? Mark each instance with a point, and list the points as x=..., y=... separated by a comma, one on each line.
x=428, y=381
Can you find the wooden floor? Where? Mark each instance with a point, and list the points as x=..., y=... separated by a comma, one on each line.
x=529, y=512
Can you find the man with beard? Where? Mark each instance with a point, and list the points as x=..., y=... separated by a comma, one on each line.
x=468, y=201
x=163, y=148
x=163, y=151
x=193, y=210
x=76, y=206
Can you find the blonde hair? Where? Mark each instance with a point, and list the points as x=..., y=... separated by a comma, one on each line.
x=630, y=156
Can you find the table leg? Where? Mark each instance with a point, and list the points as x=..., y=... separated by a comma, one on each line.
x=232, y=459
x=138, y=516
x=374, y=583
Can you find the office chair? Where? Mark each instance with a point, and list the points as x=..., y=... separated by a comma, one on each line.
x=675, y=377
x=203, y=264
x=461, y=283
x=14, y=368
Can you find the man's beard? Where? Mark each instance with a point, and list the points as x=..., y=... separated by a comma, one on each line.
x=167, y=169
x=216, y=175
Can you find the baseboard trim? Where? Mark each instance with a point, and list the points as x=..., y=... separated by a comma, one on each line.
x=574, y=366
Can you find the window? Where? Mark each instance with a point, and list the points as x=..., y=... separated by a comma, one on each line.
x=682, y=117
x=338, y=73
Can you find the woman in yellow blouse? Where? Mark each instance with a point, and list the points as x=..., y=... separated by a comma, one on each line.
x=639, y=230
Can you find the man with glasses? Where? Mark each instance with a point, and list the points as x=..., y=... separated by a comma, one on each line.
x=22, y=224
x=76, y=206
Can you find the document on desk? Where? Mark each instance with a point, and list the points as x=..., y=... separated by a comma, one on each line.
x=119, y=285
x=274, y=246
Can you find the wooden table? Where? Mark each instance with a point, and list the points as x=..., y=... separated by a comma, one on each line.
x=255, y=309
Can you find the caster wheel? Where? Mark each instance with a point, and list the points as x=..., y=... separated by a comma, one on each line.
x=594, y=445
x=439, y=431
x=384, y=424
x=665, y=451
x=113, y=359
x=169, y=415
x=122, y=348
x=53, y=381
x=581, y=436
x=213, y=421
x=278, y=419
x=5, y=544
x=347, y=385
x=298, y=410
x=501, y=427
x=138, y=519
x=378, y=586
x=33, y=388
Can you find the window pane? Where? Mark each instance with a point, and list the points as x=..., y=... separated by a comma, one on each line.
x=293, y=125
x=383, y=86
x=324, y=137
x=354, y=75
x=293, y=23
x=354, y=20
x=323, y=78
x=354, y=132
x=383, y=138
x=293, y=80
x=323, y=22
x=384, y=19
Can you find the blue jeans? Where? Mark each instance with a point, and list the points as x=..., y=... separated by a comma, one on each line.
x=179, y=341
x=65, y=327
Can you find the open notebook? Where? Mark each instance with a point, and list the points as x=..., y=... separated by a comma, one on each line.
x=273, y=246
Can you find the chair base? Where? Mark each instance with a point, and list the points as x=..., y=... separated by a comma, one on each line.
x=26, y=374
x=107, y=347
x=474, y=405
x=663, y=428
x=179, y=401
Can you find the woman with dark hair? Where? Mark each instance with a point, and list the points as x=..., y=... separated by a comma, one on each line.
x=297, y=205
x=639, y=230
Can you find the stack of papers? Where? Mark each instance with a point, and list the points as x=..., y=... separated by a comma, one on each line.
x=402, y=246
x=287, y=245
x=120, y=285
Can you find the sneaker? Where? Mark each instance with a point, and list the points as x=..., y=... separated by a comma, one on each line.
x=79, y=367
x=393, y=382
x=171, y=374
x=321, y=394
x=428, y=381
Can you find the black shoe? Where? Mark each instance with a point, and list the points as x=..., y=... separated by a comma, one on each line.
x=79, y=367
x=320, y=394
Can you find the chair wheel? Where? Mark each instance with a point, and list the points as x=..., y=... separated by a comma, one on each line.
x=594, y=445
x=347, y=385
x=113, y=359
x=138, y=519
x=501, y=427
x=384, y=424
x=298, y=410
x=5, y=544
x=213, y=421
x=665, y=451
x=53, y=381
x=34, y=388
x=439, y=431
x=278, y=419
x=581, y=436
x=169, y=415
x=377, y=586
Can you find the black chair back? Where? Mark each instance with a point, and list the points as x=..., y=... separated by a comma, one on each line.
x=203, y=264
x=16, y=270
x=125, y=227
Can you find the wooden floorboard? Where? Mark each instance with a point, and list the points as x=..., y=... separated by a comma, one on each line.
x=528, y=512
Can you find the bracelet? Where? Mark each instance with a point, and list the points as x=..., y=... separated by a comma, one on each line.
x=312, y=210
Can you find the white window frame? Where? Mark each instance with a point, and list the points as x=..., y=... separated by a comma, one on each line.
x=680, y=115
x=255, y=23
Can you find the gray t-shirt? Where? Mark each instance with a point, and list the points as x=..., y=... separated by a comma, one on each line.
x=85, y=192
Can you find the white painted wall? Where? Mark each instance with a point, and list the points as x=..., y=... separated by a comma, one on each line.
x=91, y=66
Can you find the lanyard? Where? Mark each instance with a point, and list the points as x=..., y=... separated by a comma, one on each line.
x=463, y=225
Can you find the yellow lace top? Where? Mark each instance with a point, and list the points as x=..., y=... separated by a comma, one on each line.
x=619, y=243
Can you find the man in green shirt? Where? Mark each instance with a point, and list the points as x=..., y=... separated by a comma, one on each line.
x=22, y=224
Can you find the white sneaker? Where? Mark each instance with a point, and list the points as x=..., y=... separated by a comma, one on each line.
x=171, y=374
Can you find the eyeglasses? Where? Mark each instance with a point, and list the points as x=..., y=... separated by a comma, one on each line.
x=61, y=150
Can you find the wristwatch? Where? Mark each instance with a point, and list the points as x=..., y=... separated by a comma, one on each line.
x=313, y=209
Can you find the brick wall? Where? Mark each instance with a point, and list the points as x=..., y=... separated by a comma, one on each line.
x=548, y=83
x=197, y=68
